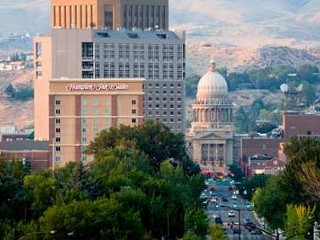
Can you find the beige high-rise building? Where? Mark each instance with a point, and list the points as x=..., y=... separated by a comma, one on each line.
x=99, y=54
x=110, y=14
x=81, y=108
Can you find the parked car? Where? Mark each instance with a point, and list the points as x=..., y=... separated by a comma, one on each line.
x=224, y=199
x=256, y=232
x=234, y=197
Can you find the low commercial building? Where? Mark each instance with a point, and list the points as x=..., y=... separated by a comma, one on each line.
x=34, y=153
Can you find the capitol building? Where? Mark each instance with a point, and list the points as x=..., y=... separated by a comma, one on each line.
x=210, y=138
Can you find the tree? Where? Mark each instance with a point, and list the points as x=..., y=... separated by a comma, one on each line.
x=270, y=202
x=300, y=151
x=191, y=86
x=217, y=233
x=100, y=219
x=237, y=172
x=308, y=93
x=307, y=72
x=151, y=138
x=10, y=90
x=242, y=120
x=298, y=221
x=248, y=187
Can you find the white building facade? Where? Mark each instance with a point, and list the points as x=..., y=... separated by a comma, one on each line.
x=210, y=136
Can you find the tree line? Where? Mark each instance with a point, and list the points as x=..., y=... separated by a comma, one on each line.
x=269, y=78
x=291, y=200
x=21, y=94
x=140, y=185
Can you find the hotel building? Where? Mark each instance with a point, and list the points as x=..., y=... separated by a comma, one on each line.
x=152, y=60
x=110, y=14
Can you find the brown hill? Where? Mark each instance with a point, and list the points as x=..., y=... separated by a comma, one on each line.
x=16, y=112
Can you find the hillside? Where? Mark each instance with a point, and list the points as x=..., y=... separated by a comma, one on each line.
x=16, y=112
x=237, y=58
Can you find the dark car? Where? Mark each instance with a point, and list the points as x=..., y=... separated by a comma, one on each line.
x=250, y=226
x=224, y=199
x=256, y=232
x=218, y=220
x=236, y=230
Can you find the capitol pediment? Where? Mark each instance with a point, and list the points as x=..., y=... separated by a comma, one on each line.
x=210, y=136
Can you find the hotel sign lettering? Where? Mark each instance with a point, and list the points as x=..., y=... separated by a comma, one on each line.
x=96, y=87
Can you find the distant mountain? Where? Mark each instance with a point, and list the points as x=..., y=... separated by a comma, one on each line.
x=222, y=24
x=289, y=21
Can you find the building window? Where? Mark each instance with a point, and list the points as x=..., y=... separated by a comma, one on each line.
x=95, y=111
x=133, y=111
x=134, y=102
x=58, y=120
x=58, y=139
x=58, y=149
x=87, y=51
x=57, y=159
x=57, y=130
x=57, y=102
x=133, y=120
x=95, y=102
x=57, y=111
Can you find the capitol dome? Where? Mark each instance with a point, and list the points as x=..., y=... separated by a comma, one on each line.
x=211, y=85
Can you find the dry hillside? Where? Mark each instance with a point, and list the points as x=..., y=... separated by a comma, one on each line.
x=16, y=112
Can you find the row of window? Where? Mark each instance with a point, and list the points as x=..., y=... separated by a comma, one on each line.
x=136, y=52
x=133, y=69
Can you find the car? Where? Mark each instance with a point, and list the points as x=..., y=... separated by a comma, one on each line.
x=231, y=214
x=246, y=220
x=236, y=230
x=218, y=220
x=250, y=226
x=213, y=200
x=233, y=197
x=256, y=232
x=224, y=199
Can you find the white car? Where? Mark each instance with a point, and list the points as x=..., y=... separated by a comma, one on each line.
x=233, y=197
x=231, y=214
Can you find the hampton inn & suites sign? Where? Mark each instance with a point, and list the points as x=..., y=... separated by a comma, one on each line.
x=96, y=87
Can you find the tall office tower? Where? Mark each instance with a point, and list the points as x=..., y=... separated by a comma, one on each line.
x=90, y=57
x=110, y=14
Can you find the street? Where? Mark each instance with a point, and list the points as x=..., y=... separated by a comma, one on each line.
x=225, y=206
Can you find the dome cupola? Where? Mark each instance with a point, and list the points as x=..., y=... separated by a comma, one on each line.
x=212, y=85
